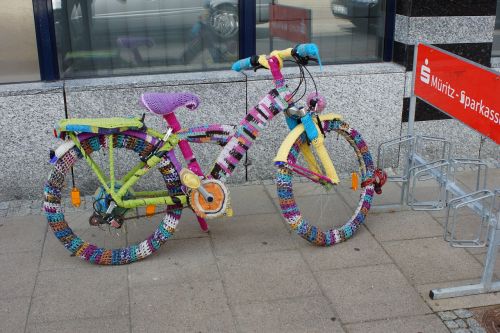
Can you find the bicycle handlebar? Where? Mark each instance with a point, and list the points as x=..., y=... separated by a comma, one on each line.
x=301, y=50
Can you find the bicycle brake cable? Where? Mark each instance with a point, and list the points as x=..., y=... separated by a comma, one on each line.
x=293, y=93
x=303, y=79
x=312, y=78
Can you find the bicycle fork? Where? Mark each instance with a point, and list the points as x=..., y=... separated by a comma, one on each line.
x=315, y=137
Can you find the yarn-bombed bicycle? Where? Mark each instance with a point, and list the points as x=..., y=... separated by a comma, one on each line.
x=303, y=154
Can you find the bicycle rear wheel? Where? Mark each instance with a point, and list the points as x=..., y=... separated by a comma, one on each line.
x=112, y=246
x=301, y=196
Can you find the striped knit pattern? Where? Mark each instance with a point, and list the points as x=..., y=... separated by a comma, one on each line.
x=83, y=249
x=291, y=211
x=247, y=131
x=207, y=133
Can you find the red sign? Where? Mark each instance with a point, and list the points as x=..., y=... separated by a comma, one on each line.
x=290, y=23
x=466, y=91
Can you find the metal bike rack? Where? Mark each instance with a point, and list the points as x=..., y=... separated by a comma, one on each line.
x=393, y=148
x=484, y=198
x=423, y=159
x=415, y=169
x=487, y=284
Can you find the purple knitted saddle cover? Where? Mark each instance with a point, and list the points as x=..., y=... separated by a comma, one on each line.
x=165, y=103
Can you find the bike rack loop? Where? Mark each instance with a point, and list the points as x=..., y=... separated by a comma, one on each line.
x=483, y=202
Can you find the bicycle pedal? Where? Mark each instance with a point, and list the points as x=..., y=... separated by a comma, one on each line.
x=190, y=179
x=229, y=212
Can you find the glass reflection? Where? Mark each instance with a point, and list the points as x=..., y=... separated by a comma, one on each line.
x=346, y=31
x=116, y=37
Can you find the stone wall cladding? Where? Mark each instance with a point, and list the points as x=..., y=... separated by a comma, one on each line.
x=444, y=29
x=27, y=116
x=369, y=97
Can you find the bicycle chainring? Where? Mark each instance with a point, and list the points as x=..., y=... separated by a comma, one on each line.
x=217, y=207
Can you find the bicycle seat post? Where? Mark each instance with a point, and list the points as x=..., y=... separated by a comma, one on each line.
x=188, y=155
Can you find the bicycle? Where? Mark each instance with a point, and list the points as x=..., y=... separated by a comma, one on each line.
x=303, y=153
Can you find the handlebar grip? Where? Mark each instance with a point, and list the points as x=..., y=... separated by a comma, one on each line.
x=242, y=64
x=308, y=50
x=283, y=54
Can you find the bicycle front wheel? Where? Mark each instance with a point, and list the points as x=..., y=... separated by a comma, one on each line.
x=303, y=197
x=107, y=245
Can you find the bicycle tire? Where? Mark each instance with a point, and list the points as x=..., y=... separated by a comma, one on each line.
x=54, y=210
x=289, y=207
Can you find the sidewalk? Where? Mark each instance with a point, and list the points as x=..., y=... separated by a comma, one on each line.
x=249, y=274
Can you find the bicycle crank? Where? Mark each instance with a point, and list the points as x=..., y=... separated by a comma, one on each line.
x=209, y=198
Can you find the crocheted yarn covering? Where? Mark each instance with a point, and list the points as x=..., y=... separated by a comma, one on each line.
x=99, y=125
x=291, y=211
x=213, y=133
x=247, y=131
x=55, y=213
x=165, y=103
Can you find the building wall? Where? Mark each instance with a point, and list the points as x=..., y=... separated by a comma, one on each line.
x=373, y=98
x=27, y=115
x=369, y=96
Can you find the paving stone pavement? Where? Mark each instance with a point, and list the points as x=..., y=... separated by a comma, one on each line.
x=248, y=274
x=461, y=321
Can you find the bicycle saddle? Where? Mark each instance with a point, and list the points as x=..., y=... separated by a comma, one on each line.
x=165, y=103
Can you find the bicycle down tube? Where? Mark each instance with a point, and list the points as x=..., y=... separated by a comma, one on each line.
x=255, y=121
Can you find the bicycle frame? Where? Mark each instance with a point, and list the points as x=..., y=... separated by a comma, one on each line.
x=237, y=141
x=139, y=170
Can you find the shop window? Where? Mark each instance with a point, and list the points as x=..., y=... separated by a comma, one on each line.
x=345, y=31
x=121, y=37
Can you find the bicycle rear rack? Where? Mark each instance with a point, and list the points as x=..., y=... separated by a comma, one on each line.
x=420, y=163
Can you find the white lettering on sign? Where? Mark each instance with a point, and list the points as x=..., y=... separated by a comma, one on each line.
x=443, y=87
x=468, y=102
x=425, y=72
x=436, y=82
x=478, y=106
